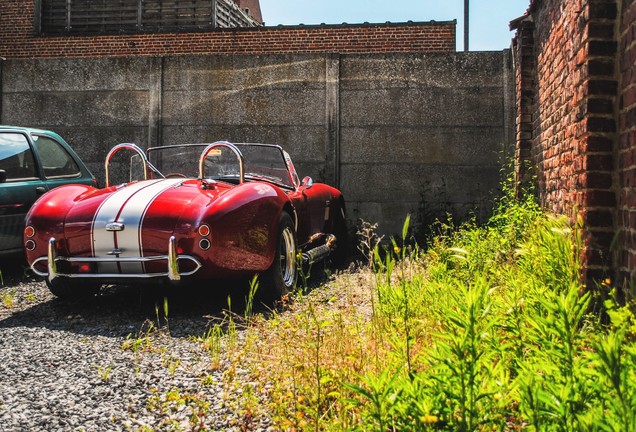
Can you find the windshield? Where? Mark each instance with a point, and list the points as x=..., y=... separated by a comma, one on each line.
x=262, y=162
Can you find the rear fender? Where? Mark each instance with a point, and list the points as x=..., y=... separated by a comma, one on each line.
x=244, y=224
x=48, y=217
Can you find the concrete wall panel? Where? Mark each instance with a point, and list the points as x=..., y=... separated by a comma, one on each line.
x=425, y=145
x=104, y=108
x=244, y=72
x=77, y=74
x=244, y=107
x=397, y=132
x=432, y=106
x=473, y=69
x=390, y=183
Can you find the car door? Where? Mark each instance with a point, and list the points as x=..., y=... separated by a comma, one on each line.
x=312, y=204
x=22, y=185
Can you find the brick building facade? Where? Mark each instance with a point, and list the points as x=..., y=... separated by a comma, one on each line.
x=576, y=122
x=19, y=38
x=252, y=7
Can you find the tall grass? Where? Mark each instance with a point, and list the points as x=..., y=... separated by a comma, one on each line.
x=488, y=328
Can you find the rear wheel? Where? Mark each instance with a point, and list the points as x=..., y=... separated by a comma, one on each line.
x=280, y=278
x=70, y=289
x=340, y=230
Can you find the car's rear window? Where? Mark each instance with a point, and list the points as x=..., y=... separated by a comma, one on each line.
x=56, y=161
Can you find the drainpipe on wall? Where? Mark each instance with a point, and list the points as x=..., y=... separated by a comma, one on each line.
x=155, y=102
x=213, y=7
x=37, y=17
x=466, y=22
x=332, y=78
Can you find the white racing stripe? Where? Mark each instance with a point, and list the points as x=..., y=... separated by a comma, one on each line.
x=128, y=206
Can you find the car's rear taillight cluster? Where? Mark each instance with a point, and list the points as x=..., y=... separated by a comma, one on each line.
x=204, y=231
x=29, y=232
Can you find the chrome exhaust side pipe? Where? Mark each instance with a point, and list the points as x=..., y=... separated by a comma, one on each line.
x=321, y=252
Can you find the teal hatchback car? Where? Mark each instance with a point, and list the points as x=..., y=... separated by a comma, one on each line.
x=32, y=162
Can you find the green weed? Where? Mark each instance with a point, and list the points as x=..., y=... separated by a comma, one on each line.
x=212, y=343
x=104, y=372
x=487, y=328
x=174, y=401
x=142, y=341
x=7, y=297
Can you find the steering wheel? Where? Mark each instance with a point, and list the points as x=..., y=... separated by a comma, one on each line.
x=176, y=175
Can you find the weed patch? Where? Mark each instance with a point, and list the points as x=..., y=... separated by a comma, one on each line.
x=487, y=328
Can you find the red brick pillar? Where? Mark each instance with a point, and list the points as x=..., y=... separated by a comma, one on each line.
x=594, y=170
x=525, y=72
x=567, y=121
x=626, y=148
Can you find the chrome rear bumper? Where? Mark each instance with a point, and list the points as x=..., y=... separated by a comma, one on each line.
x=52, y=259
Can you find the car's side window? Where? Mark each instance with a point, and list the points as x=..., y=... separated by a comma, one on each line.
x=16, y=157
x=56, y=161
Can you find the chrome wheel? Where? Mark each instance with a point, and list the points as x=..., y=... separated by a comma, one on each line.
x=280, y=277
x=288, y=256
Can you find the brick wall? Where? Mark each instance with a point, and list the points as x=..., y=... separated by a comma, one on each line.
x=571, y=97
x=626, y=149
x=254, y=8
x=17, y=39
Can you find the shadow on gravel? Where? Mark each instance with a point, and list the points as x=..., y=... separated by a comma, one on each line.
x=124, y=310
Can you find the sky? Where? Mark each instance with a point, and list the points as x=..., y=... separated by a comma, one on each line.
x=488, y=19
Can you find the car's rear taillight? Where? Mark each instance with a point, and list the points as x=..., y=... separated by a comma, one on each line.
x=204, y=230
x=29, y=231
x=204, y=244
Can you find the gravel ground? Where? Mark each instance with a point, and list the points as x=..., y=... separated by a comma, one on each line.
x=100, y=365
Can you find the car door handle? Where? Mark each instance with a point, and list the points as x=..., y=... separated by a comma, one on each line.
x=40, y=190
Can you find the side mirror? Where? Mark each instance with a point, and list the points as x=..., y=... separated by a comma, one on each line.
x=307, y=183
x=3, y=176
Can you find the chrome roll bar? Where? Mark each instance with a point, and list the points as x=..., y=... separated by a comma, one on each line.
x=135, y=148
x=118, y=148
x=228, y=145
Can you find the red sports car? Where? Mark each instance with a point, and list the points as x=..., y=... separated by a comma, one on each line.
x=197, y=212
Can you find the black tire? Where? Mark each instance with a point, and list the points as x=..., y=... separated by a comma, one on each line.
x=340, y=230
x=281, y=276
x=70, y=289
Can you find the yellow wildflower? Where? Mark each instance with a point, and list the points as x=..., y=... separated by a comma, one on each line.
x=429, y=419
